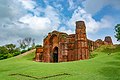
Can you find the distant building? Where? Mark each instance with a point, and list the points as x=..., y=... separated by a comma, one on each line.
x=61, y=47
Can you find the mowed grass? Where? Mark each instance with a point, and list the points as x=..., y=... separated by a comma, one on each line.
x=104, y=66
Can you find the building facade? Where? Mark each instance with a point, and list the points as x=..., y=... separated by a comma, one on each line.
x=61, y=47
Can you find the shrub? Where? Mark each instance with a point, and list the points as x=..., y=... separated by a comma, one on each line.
x=17, y=53
x=9, y=55
x=93, y=55
x=38, y=46
x=29, y=48
x=23, y=51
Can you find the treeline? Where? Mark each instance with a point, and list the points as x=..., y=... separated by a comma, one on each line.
x=10, y=50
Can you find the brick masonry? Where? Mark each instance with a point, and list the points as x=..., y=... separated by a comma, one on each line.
x=61, y=47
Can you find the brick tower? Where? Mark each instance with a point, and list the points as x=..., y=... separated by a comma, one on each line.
x=108, y=40
x=81, y=45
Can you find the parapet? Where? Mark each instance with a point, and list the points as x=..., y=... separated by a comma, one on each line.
x=108, y=40
x=80, y=24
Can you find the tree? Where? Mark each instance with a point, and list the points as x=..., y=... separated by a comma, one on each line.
x=38, y=46
x=10, y=47
x=8, y=50
x=33, y=43
x=3, y=52
x=22, y=44
x=117, y=32
x=26, y=43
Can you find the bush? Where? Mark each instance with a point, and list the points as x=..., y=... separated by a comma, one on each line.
x=23, y=51
x=93, y=55
x=38, y=46
x=17, y=53
x=29, y=48
x=9, y=55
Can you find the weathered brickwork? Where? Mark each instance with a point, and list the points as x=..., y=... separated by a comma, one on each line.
x=108, y=40
x=61, y=47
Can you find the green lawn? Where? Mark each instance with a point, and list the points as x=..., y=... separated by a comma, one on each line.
x=102, y=67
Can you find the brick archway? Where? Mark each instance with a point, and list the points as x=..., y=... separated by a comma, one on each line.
x=55, y=54
x=54, y=48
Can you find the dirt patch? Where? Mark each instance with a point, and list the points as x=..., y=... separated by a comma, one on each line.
x=28, y=52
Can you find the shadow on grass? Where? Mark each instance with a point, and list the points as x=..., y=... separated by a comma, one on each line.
x=4, y=70
x=35, y=77
x=117, y=57
x=111, y=73
x=114, y=63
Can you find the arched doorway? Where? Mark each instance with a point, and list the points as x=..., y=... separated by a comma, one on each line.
x=55, y=54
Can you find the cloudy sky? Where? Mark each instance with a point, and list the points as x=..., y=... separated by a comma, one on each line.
x=35, y=18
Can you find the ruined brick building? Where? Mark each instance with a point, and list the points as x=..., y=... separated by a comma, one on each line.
x=61, y=47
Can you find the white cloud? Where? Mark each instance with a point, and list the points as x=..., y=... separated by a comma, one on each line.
x=62, y=29
x=95, y=6
x=28, y=4
x=36, y=23
x=53, y=15
x=10, y=11
x=107, y=22
x=116, y=4
x=17, y=23
x=49, y=21
x=91, y=24
x=71, y=4
x=93, y=27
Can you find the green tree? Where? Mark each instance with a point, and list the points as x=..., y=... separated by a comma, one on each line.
x=117, y=32
x=3, y=52
x=11, y=48
x=8, y=51
x=22, y=44
x=38, y=46
x=33, y=43
x=26, y=43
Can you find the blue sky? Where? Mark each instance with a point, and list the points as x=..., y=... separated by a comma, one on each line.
x=35, y=18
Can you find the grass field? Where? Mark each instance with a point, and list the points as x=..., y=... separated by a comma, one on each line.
x=104, y=66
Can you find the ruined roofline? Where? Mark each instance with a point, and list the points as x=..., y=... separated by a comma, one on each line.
x=61, y=47
x=98, y=40
x=71, y=35
x=55, y=31
x=107, y=36
x=90, y=40
x=77, y=22
x=80, y=24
